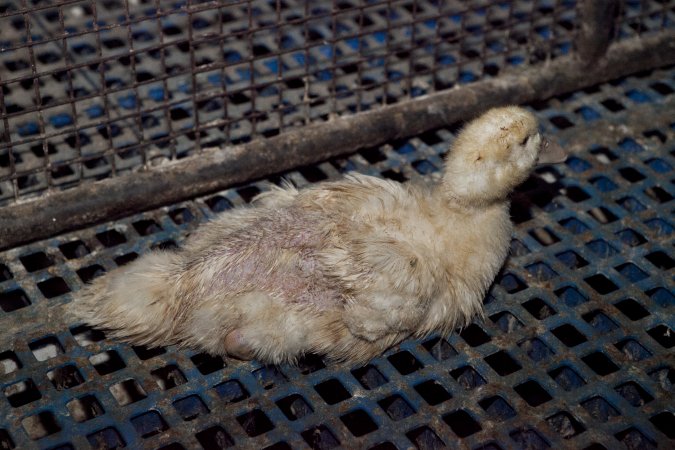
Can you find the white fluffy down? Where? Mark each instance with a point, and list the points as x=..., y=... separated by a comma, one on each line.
x=346, y=269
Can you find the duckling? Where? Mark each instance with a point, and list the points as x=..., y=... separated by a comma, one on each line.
x=346, y=269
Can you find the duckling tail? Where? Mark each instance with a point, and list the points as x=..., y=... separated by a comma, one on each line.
x=134, y=303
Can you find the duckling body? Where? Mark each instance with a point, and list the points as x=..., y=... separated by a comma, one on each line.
x=346, y=269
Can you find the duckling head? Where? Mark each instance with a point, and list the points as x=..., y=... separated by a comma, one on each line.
x=493, y=154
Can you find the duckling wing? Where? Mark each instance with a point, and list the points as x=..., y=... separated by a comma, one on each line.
x=396, y=291
x=374, y=255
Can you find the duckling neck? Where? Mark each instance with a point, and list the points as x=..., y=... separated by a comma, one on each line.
x=469, y=192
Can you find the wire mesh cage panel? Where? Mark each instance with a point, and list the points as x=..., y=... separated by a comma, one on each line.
x=576, y=347
x=93, y=89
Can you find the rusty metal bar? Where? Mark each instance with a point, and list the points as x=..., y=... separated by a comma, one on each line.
x=596, y=28
x=219, y=168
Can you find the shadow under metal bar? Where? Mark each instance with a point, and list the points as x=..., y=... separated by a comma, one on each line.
x=213, y=170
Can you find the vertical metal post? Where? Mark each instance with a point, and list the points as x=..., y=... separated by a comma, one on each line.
x=596, y=28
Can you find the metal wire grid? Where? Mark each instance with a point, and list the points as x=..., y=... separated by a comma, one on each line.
x=93, y=89
x=576, y=351
x=642, y=18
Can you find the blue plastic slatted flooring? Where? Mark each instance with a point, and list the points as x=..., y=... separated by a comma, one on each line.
x=576, y=350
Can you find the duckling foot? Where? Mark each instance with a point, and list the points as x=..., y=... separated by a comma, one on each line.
x=236, y=347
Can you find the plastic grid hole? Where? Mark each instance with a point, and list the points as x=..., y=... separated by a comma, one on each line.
x=149, y=424
x=332, y=391
x=46, y=348
x=601, y=248
x=529, y=439
x=461, y=423
x=600, y=322
x=567, y=378
x=320, y=437
x=502, y=363
x=497, y=408
x=544, y=236
x=658, y=194
x=294, y=407
x=432, y=392
x=270, y=376
x=511, y=283
x=662, y=297
x=107, y=362
x=111, y=238
x=84, y=408
x=146, y=227
x=535, y=349
x=40, y=425
x=572, y=259
x=634, y=394
x=190, y=407
x=85, y=335
x=206, y=363
x=255, y=423
x=5, y=273
x=539, y=309
x=127, y=392
x=633, y=350
x=661, y=260
x=533, y=393
x=405, y=363
x=125, y=259
x=36, y=261
x=231, y=391
x=424, y=437
x=569, y=335
x=358, y=423
x=214, y=437
x=468, y=377
x=369, y=377
x=440, y=349
x=602, y=215
x=5, y=440
x=632, y=309
x=168, y=377
x=396, y=407
x=310, y=363
x=22, y=392
x=279, y=446
x=565, y=424
x=631, y=272
x=631, y=237
x=9, y=362
x=89, y=273
x=506, y=321
x=53, y=287
x=633, y=438
x=65, y=377
x=474, y=335
x=663, y=335
x=600, y=409
x=601, y=284
x=600, y=363
x=665, y=423
x=181, y=216
x=75, y=249
x=145, y=353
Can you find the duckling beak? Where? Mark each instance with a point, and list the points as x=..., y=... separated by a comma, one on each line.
x=551, y=153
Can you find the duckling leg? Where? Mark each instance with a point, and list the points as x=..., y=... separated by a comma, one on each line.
x=383, y=315
x=251, y=325
x=236, y=346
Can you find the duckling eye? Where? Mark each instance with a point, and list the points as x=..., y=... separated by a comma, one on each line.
x=527, y=138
